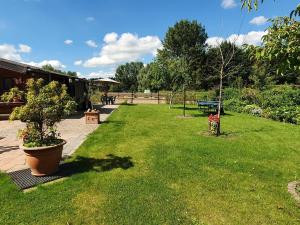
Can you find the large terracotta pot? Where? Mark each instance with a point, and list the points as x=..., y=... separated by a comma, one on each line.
x=43, y=161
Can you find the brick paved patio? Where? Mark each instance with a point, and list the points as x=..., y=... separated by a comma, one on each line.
x=73, y=130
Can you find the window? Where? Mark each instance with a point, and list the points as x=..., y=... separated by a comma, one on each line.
x=6, y=84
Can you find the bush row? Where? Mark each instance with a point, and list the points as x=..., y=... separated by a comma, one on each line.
x=281, y=103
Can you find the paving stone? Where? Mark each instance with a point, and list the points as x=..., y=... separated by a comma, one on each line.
x=73, y=130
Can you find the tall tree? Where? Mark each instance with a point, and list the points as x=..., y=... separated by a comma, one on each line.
x=127, y=74
x=224, y=55
x=179, y=78
x=186, y=39
x=239, y=68
x=153, y=76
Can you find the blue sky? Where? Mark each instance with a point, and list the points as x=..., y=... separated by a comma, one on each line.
x=93, y=37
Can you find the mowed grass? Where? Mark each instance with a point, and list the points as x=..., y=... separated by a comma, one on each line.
x=166, y=170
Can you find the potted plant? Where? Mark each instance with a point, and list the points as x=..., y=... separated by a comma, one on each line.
x=45, y=106
x=13, y=95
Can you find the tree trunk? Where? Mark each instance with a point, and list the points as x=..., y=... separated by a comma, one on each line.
x=220, y=102
x=171, y=100
x=184, y=101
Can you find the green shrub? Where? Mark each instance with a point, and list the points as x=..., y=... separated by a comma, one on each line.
x=288, y=114
x=230, y=93
x=280, y=96
x=253, y=109
x=207, y=95
x=12, y=94
x=46, y=105
x=251, y=96
x=234, y=104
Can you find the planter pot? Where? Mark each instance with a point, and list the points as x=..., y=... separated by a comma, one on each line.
x=43, y=161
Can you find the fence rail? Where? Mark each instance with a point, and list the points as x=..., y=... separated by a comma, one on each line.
x=151, y=98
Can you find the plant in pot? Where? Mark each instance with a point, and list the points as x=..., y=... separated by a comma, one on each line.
x=45, y=106
x=13, y=95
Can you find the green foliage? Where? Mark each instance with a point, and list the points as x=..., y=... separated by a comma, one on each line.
x=280, y=96
x=250, y=4
x=154, y=76
x=281, y=44
x=230, y=93
x=253, y=109
x=179, y=74
x=185, y=39
x=13, y=93
x=46, y=105
x=280, y=103
x=50, y=68
x=127, y=74
x=234, y=104
x=250, y=96
x=288, y=114
x=236, y=72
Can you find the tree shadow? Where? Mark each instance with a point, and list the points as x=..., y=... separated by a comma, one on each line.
x=116, y=122
x=186, y=108
x=84, y=164
x=206, y=114
x=106, y=110
x=4, y=149
x=128, y=104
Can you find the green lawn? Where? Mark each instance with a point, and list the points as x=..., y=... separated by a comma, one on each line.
x=164, y=169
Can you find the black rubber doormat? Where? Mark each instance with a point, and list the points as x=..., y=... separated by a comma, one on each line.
x=23, y=178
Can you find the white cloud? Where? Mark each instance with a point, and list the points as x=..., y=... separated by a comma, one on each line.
x=214, y=41
x=99, y=74
x=68, y=42
x=78, y=62
x=91, y=44
x=251, y=38
x=55, y=63
x=228, y=4
x=260, y=20
x=110, y=37
x=10, y=52
x=128, y=47
x=90, y=19
x=24, y=48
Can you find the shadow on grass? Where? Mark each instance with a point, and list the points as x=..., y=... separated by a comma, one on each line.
x=186, y=108
x=106, y=110
x=204, y=114
x=128, y=104
x=85, y=164
x=114, y=122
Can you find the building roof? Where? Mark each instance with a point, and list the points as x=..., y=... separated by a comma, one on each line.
x=24, y=68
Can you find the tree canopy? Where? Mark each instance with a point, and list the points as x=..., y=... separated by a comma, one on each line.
x=127, y=75
x=49, y=67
